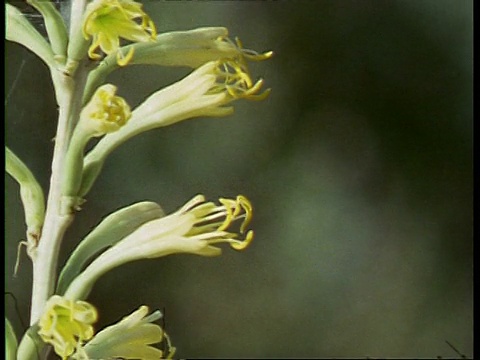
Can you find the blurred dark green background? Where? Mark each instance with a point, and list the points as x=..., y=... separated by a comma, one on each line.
x=359, y=166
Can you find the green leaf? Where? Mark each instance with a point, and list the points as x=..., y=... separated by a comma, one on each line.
x=31, y=194
x=20, y=30
x=31, y=345
x=56, y=29
x=11, y=343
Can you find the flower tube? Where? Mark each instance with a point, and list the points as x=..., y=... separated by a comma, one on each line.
x=196, y=228
x=205, y=92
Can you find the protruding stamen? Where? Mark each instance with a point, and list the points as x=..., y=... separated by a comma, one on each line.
x=234, y=78
x=228, y=204
x=124, y=60
x=244, y=203
x=241, y=245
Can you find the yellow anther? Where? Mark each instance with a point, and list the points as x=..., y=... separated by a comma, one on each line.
x=247, y=206
x=234, y=78
x=124, y=60
x=106, y=112
x=247, y=53
x=148, y=24
x=229, y=217
x=233, y=209
x=241, y=245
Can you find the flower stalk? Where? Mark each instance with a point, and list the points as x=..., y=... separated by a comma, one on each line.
x=79, y=56
x=60, y=210
x=56, y=222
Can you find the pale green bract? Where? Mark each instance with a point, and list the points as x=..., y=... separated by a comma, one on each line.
x=18, y=29
x=33, y=200
x=56, y=29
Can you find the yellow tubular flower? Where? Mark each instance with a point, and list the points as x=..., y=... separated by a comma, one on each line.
x=197, y=228
x=66, y=324
x=106, y=112
x=130, y=338
x=193, y=48
x=205, y=92
x=109, y=20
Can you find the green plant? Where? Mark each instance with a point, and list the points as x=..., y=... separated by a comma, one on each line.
x=79, y=56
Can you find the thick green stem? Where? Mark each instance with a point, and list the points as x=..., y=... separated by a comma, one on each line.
x=68, y=92
x=69, y=95
x=55, y=223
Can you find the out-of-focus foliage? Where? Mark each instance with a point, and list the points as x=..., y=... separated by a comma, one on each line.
x=359, y=166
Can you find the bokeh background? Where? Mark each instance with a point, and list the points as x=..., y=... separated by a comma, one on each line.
x=359, y=166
